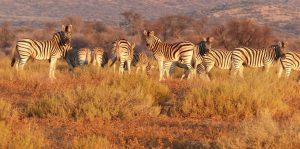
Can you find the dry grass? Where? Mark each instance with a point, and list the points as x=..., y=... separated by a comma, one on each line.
x=100, y=109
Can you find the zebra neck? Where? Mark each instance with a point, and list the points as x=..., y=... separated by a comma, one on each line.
x=154, y=48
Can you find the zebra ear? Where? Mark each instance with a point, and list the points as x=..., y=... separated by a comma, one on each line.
x=281, y=44
x=63, y=27
x=145, y=32
x=210, y=39
x=69, y=28
x=151, y=33
x=133, y=45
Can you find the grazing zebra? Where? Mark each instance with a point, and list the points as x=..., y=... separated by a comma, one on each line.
x=141, y=61
x=122, y=51
x=218, y=58
x=166, y=53
x=100, y=57
x=255, y=57
x=79, y=57
x=290, y=62
x=43, y=50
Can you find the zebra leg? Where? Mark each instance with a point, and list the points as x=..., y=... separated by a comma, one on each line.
x=81, y=63
x=144, y=69
x=114, y=67
x=172, y=68
x=121, y=67
x=241, y=71
x=190, y=68
x=128, y=64
x=137, y=69
x=100, y=62
x=267, y=68
x=17, y=64
x=279, y=73
x=207, y=70
x=52, y=68
x=235, y=67
x=167, y=68
x=22, y=62
x=161, y=70
x=287, y=72
x=71, y=67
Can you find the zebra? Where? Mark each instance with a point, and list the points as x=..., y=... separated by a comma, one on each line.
x=218, y=58
x=202, y=48
x=122, y=51
x=141, y=61
x=255, y=57
x=79, y=57
x=43, y=50
x=291, y=61
x=100, y=57
x=166, y=54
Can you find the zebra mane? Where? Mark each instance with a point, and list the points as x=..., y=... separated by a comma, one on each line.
x=57, y=37
x=202, y=49
x=157, y=39
x=278, y=52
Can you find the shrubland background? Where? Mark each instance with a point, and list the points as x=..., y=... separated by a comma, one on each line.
x=99, y=109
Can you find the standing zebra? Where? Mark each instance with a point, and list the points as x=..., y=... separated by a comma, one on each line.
x=255, y=57
x=122, y=51
x=218, y=58
x=141, y=61
x=290, y=62
x=166, y=53
x=201, y=49
x=43, y=50
x=100, y=57
x=79, y=57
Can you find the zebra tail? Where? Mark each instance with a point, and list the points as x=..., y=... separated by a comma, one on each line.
x=13, y=59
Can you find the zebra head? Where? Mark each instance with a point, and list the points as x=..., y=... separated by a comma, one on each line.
x=279, y=49
x=205, y=45
x=66, y=35
x=151, y=39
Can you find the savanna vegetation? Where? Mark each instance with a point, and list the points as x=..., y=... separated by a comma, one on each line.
x=96, y=108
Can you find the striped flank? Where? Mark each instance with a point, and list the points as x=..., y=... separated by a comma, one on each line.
x=290, y=62
x=255, y=57
x=166, y=53
x=122, y=51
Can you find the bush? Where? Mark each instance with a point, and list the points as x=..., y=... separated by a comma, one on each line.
x=5, y=110
x=26, y=137
x=236, y=99
x=236, y=33
x=91, y=142
x=119, y=98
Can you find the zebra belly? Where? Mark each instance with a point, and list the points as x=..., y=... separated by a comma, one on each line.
x=41, y=57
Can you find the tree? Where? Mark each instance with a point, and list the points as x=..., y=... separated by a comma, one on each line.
x=6, y=35
x=236, y=33
x=132, y=23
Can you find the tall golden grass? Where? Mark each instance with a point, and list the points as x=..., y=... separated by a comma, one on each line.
x=262, y=111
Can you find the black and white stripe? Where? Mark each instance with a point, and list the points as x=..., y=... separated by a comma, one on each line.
x=79, y=57
x=255, y=57
x=290, y=61
x=215, y=58
x=202, y=48
x=141, y=61
x=122, y=51
x=43, y=50
x=166, y=53
x=100, y=57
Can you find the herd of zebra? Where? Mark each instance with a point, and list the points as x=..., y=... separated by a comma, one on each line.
x=193, y=58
